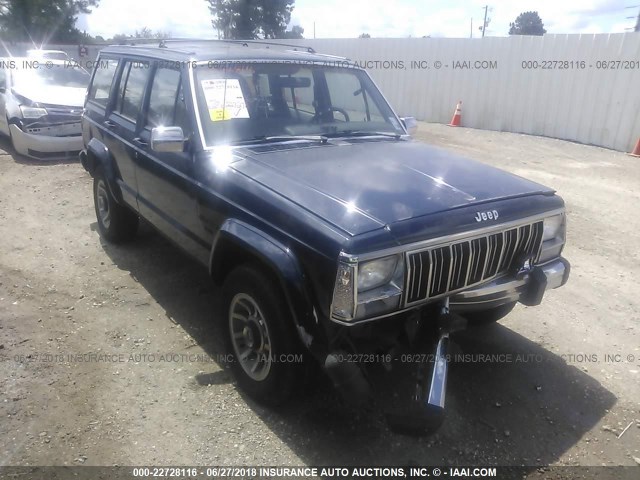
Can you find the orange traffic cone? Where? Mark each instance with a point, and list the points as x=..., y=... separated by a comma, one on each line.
x=636, y=150
x=457, y=115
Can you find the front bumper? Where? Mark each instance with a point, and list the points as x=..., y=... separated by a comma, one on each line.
x=45, y=146
x=506, y=289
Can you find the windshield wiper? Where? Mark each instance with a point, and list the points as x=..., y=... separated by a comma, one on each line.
x=363, y=133
x=282, y=138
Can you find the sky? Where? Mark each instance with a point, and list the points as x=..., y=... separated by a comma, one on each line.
x=378, y=18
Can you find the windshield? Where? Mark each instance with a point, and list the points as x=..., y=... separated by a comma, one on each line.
x=253, y=101
x=60, y=75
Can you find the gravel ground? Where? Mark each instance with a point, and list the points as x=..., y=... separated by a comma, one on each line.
x=572, y=387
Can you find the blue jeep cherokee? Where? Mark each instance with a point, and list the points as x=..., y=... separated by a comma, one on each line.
x=289, y=176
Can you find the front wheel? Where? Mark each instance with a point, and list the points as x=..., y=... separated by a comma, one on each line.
x=116, y=222
x=491, y=315
x=266, y=358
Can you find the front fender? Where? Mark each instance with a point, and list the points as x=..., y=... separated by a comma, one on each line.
x=239, y=238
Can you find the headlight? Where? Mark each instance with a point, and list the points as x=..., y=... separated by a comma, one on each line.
x=374, y=273
x=367, y=289
x=553, y=237
x=553, y=227
x=32, y=112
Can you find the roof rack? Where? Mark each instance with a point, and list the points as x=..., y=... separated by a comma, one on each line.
x=136, y=41
x=164, y=43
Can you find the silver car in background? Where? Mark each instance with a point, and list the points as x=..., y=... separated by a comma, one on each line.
x=48, y=54
x=41, y=106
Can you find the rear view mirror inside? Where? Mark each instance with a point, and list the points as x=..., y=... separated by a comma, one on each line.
x=294, y=82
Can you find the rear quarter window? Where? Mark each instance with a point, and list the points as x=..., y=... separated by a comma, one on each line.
x=102, y=80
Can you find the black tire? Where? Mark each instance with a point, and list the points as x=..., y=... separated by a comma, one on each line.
x=250, y=293
x=116, y=222
x=486, y=317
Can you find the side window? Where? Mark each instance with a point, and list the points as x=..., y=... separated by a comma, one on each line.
x=131, y=89
x=101, y=85
x=166, y=103
x=346, y=92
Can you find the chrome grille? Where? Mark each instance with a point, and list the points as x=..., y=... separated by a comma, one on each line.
x=435, y=271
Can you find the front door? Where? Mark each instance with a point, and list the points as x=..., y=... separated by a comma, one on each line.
x=165, y=179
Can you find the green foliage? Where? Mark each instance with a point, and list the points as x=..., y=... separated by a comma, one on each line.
x=295, y=32
x=42, y=21
x=527, y=23
x=145, y=33
x=250, y=19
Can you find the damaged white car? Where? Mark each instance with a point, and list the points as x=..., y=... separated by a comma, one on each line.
x=41, y=106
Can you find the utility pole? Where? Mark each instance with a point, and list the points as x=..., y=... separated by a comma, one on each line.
x=638, y=23
x=471, y=32
x=484, y=24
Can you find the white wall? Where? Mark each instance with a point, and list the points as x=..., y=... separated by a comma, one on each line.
x=590, y=105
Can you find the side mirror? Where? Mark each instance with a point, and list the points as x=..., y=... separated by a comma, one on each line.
x=167, y=139
x=410, y=124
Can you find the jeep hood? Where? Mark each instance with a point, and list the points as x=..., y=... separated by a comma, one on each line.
x=359, y=187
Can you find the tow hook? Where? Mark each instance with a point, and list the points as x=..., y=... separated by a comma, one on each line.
x=425, y=412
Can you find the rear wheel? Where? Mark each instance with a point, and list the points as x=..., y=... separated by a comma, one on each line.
x=116, y=222
x=259, y=336
x=492, y=315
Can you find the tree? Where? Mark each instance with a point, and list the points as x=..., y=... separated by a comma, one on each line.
x=295, y=32
x=119, y=38
x=527, y=23
x=250, y=19
x=364, y=35
x=144, y=32
x=42, y=21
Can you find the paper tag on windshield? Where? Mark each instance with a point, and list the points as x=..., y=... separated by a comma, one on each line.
x=224, y=99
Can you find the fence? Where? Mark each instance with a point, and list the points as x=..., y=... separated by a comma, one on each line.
x=584, y=88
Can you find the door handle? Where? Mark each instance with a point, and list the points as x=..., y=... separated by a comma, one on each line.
x=140, y=142
x=108, y=123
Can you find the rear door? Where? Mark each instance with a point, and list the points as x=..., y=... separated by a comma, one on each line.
x=99, y=98
x=165, y=179
x=121, y=123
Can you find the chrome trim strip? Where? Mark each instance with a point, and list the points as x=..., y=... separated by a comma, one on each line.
x=196, y=107
x=483, y=274
x=420, y=274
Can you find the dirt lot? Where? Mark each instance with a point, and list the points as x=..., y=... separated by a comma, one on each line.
x=64, y=293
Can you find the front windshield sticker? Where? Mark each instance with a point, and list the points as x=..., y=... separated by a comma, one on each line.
x=224, y=99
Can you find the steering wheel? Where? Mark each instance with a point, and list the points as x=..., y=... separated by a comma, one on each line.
x=342, y=111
